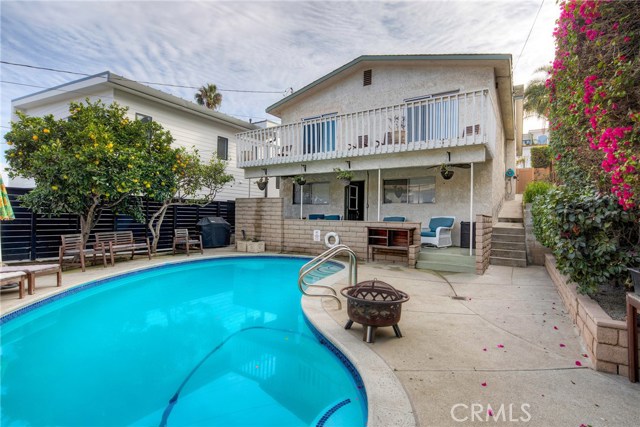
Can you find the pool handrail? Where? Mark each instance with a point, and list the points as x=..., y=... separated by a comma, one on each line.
x=321, y=259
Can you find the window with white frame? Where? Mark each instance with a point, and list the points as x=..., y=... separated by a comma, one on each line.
x=315, y=193
x=412, y=190
x=223, y=148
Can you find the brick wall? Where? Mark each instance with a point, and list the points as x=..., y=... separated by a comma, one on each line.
x=484, y=228
x=605, y=338
x=261, y=219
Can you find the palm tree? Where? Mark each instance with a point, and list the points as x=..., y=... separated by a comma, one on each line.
x=536, y=95
x=209, y=96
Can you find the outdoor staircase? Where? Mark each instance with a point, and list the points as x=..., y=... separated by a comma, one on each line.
x=508, y=237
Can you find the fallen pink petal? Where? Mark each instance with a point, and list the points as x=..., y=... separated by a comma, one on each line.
x=500, y=346
x=585, y=355
x=578, y=363
x=484, y=349
x=484, y=384
x=490, y=412
x=562, y=345
x=555, y=327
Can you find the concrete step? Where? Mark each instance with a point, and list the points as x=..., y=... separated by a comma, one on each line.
x=515, y=246
x=515, y=220
x=437, y=266
x=505, y=230
x=514, y=238
x=447, y=258
x=508, y=253
x=509, y=262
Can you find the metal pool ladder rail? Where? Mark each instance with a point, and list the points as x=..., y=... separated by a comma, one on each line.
x=321, y=259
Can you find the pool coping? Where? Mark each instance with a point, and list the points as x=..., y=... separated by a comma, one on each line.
x=387, y=401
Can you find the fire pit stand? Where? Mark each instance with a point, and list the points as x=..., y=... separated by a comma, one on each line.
x=374, y=304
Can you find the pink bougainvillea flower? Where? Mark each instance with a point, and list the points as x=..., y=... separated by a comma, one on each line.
x=585, y=355
x=490, y=412
x=484, y=384
x=500, y=346
x=484, y=349
x=562, y=345
x=578, y=363
x=555, y=327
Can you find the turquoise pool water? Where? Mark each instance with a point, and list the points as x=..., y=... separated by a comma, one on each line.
x=209, y=343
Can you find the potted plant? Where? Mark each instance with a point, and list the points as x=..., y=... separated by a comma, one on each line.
x=300, y=180
x=343, y=176
x=262, y=183
x=255, y=246
x=446, y=172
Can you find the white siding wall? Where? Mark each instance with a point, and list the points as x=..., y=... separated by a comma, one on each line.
x=189, y=131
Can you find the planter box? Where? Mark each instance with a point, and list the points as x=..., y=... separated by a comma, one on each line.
x=605, y=338
x=241, y=246
x=255, y=247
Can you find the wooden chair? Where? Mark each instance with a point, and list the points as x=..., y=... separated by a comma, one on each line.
x=181, y=237
x=72, y=245
x=121, y=241
x=9, y=278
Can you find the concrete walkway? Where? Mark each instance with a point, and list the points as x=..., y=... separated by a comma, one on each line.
x=508, y=345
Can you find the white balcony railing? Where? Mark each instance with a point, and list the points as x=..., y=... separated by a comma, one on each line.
x=444, y=121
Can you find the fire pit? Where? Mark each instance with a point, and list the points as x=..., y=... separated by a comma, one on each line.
x=373, y=304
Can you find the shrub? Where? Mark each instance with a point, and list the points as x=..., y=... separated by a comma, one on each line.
x=593, y=238
x=535, y=189
x=540, y=157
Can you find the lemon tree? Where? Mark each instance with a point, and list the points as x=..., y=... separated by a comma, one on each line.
x=92, y=160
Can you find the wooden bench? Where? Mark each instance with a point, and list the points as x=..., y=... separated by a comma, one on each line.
x=121, y=241
x=72, y=245
x=12, y=277
x=181, y=237
x=34, y=270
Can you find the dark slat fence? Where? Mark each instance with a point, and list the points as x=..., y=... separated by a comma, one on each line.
x=31, y=236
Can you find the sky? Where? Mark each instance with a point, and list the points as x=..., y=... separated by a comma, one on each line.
x=250, y=47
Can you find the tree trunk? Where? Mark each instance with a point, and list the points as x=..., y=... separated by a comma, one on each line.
x=88, y=221
x=157, y=218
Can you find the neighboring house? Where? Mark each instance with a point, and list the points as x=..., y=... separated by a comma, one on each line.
x=191, y=125
x=535, y=138
x=394, y=120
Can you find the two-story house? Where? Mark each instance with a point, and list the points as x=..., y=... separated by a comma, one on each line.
x=399, y=123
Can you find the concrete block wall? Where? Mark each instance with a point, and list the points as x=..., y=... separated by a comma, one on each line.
x=261, y=219
x=535, y=251
x=298, y=237
x=605, y=339
x=484, y=228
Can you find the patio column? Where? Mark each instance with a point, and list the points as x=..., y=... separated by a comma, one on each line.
x=301, y=199
x=379, y=192
x=471, y=213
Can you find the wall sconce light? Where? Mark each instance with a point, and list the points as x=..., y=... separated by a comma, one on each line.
x=304, y=168
x=348, y=163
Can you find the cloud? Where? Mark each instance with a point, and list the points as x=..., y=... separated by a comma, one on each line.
x=267, y=46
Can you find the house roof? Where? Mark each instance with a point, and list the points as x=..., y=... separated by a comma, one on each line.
x=500, y=62
x=109, y=80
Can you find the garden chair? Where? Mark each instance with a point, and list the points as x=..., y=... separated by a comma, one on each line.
x=439, y=232
x=72, y=245
x=181, y=237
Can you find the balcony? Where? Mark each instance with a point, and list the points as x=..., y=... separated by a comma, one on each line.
x=454, y=120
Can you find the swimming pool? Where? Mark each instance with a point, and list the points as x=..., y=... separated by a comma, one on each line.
x=211, y=342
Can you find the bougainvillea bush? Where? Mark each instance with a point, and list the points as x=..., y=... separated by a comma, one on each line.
x=592, y=220
x=595, y=97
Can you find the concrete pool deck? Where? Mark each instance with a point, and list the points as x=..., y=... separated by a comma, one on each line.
x=508, y=348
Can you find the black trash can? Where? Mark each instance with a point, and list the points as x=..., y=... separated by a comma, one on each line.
x=464, y=235
x=216, y=232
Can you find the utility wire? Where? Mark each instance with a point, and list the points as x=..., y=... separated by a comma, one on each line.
x=141, y=82
x=529, y=35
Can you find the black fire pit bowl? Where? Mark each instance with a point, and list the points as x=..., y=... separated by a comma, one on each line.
x=373, y=304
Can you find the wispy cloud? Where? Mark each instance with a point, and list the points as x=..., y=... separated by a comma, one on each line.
x=268, y=46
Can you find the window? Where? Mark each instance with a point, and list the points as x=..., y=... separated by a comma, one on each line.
x=413, y=190
x=223, y=148
x=366, y=78
x=316, y=193
x=143, y=118
x=320, y=135
x=277, y=182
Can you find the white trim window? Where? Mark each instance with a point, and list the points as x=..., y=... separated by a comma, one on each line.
x=315, y=193
x=413, y=190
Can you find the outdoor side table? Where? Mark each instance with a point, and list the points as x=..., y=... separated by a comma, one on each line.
x=633, y=304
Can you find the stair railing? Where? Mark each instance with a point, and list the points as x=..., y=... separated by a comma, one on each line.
x=321, y=259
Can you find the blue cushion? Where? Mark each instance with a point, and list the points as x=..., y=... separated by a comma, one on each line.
x=440, y=222
x=332, y=217
x=427, y=233
x=316, y=216
x=394, y=219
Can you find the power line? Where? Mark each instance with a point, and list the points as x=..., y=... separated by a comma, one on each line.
x=529, y=35
x=55, y=70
